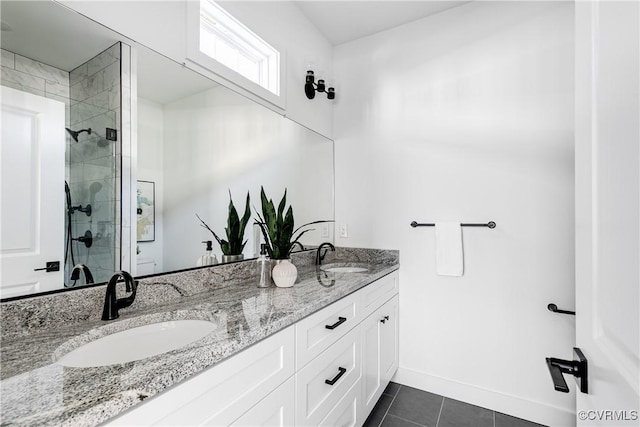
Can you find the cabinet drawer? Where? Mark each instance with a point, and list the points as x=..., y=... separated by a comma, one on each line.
x=317, y=332
x=221, y=394
x=347, y=412
x=341, y=364
x=277, y=409
x=377, y=293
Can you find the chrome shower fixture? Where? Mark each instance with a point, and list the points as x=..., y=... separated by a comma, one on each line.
x=74, y=133
x=310, y=87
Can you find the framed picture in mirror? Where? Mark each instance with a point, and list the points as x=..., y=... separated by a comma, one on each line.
x=146, y=212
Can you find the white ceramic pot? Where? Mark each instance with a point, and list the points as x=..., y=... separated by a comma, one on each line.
x=284, y=273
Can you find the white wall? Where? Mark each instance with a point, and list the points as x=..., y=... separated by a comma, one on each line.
x=150, y=159
x=161, y=25
x=215, y=142
x=282, y=23
x=468, y=116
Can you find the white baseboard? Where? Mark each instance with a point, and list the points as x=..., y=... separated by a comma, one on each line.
x=490, y=399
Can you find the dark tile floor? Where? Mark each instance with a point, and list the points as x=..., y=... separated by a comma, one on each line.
x=402, y=406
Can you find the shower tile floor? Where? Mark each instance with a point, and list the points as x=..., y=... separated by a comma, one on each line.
x=402, y=406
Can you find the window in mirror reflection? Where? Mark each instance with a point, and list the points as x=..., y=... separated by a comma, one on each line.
x=228, y=41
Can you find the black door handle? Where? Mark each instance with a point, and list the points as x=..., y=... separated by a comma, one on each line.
x=50, y=266
x=340, y=321
x=337, y=377
x=576, y=367
x=384, y=319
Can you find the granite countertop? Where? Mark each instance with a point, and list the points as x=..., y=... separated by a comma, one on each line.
x=37, y=391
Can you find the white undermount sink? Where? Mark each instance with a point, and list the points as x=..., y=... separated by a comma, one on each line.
x=137, y=343
x=343, y=269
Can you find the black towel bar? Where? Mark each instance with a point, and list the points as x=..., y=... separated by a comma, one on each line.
x=555, y=309
x=490, y=224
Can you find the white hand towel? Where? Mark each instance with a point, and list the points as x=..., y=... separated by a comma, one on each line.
x=449, y=258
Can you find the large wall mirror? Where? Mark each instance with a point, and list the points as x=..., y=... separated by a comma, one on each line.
x=192, y=143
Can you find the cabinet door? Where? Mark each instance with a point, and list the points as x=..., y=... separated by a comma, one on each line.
x=379, y=351
x=389, y=340
x=277, y=409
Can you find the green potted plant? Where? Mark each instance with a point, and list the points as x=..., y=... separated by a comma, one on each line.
x=232, y=247
x=280, y=236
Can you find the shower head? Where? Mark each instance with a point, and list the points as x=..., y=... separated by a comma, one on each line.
x=74, y=133
x=95, y=187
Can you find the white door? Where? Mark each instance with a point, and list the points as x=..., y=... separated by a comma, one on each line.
x=607, y=209
x=32, y=206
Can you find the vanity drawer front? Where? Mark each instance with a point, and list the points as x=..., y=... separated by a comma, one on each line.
x=339, y=364
x=377, y=293
x=277, y=409
x=347, y=412
x=222, y=393
x=317, y=332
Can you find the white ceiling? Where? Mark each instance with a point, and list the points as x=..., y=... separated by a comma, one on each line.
x=163, y=81
x=53, y=34
x=40, y=24
x=344, y=21
x=57, y=36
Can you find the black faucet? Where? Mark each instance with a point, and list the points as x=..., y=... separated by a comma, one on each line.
x=320, y=278
x=320, y=257
x=75, y=273
x=111, y=304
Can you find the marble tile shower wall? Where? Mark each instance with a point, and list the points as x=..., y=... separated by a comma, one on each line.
x=94, y=172
x=27, y=75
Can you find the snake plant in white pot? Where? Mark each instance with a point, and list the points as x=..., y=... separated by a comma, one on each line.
x=280, y=236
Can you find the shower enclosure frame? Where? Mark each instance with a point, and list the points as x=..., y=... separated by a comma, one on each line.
x=115, y=230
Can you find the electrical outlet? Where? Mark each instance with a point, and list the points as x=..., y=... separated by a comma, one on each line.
x=324, y=230
x=344, y=231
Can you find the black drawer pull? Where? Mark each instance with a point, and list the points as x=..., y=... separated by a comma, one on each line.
x=337, y=377
x=384, y=319
x=340, y=321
